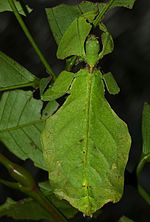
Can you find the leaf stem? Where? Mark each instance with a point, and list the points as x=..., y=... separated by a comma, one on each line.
x=102, y=13
x=31, y=40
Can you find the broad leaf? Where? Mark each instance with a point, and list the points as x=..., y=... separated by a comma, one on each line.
x=125, y=219
x=72, y=42
x=21, y=125
x=111, y=83
x=60, y=86
x=86, y=146
x=4, y=6
x=13, y=75
x=61, y=16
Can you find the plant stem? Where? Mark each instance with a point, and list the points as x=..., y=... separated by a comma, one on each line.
x=47, y=205
x=31, y=40
x=102, y=13
x=25, y=183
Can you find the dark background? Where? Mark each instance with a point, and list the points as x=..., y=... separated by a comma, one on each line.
x=130, y=64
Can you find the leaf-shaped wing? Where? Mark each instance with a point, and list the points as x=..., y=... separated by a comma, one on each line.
x=86, y=146
x=72, y=42
x=60, y=86
x=107, y=41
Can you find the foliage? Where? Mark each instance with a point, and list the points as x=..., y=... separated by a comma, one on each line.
x=145, y=157
x=82, y=144
x=4, y=6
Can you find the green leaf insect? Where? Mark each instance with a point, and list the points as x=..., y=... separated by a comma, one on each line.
x=85, y=144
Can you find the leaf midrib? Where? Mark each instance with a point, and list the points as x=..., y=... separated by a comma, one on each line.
x=88, y=107
x=21, y=126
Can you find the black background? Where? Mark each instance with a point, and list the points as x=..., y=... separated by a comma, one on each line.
x=130, y=64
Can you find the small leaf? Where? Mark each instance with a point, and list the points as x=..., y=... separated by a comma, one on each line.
x=86, y=146
x=4, y=6
x=145, y=157
x=123, y=3
x=125, y=219
x=43, y=84
x=143, y=193
x=13, y=75
x=146, y=129
x=107, y=41
x=60, y=86
x=21, y=125
x=72, y=42
x=50, y=108
x=111, y=83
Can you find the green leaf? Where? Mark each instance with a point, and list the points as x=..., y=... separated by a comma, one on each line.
x=111, y=83
x=68, y=13
x=61, y=16
x=107, y=41
x=125, y=219
x=123, y=3
x=72, y=42
x=62, y=205
x=146, y=129
x=143, y=193
x=29, y=209
x=43, y=84
x=21, y=125
x=145, y=157
x=50, y=108
x=86, y=146
x=4, y=6
x=13, y=75
x=26, y=209
x=60, y=86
